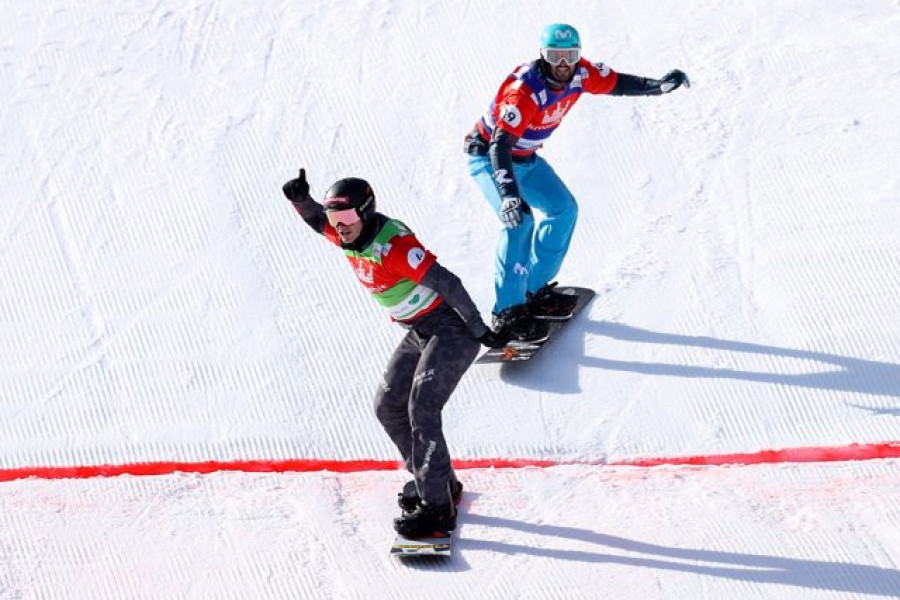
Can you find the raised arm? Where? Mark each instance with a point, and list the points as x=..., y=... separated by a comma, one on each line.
x=297, y=191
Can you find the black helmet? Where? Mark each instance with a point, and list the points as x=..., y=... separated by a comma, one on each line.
x=354, y=193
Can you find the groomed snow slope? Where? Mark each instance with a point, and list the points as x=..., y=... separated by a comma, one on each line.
x=161, y=301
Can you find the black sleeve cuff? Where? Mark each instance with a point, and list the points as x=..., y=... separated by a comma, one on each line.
x=632, y=85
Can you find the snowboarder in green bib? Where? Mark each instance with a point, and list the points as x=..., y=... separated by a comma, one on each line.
x=445, y=331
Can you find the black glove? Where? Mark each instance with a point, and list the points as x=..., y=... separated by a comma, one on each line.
x=492, y=340
x=297, y=190
x=673, y=80
x=511, y=212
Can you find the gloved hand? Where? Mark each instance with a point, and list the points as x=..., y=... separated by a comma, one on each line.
x=297, y=190
x=511, y=212
x=492, y=340
x=673, y=80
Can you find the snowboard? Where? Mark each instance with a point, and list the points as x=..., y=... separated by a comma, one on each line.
x=522, y=351
x=434, y=546
x=431, y=546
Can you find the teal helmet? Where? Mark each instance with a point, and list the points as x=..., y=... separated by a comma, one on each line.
x=560, y=36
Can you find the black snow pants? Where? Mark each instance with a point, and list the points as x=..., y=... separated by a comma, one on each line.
x=419, y=379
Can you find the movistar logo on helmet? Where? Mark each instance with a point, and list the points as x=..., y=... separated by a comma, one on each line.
x=560, y=35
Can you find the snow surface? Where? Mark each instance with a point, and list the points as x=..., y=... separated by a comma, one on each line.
x=161, y=301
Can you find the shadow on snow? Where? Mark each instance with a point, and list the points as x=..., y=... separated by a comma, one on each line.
x=838, y=373
x=757, y=568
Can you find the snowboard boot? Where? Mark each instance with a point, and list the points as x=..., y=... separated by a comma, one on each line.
x=427, y=520
x=547, y=303
x=409, y=499
x=515, y=324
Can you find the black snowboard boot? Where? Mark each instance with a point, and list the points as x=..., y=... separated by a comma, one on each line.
x=409, y=499
x=515, y=324
x=438, y=520
x=547, y=303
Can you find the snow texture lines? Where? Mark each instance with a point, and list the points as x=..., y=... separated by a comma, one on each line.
x=187, y=371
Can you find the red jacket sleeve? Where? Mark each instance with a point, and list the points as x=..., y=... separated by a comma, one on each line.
x=408, y=258
x=601, y=78
x=515, y=109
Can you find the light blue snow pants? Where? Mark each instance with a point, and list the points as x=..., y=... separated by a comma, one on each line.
x=529, y=256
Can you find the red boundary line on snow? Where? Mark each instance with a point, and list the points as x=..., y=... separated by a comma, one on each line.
x=788, y=455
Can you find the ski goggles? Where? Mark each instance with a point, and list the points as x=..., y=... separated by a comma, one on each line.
x=345, y=217
x=555, y=56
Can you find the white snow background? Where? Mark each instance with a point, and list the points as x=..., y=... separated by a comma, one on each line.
x=161, y=301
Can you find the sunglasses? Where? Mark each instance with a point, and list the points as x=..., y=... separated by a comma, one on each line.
x=555, y=56
x=346, y=217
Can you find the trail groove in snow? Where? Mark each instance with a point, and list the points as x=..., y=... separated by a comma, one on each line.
x=163, y=308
